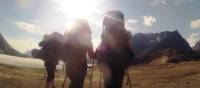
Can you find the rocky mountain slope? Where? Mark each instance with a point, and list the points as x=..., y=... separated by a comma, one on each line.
x=5, y=48
x=196, y=46
x=28, y=53
x=149, y=43
x=160, y=48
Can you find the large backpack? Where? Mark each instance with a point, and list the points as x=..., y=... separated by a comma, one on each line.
x=51, y=46
x=119, y=55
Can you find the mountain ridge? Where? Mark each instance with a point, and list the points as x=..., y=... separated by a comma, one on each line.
x=6, y=48
x=148, y=43
x=163, y=47
x=196, y=46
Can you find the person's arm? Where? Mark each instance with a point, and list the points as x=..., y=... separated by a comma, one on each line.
x=90, y=50
x=130, y=44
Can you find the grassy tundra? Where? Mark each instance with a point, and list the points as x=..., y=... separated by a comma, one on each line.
x=182, y=75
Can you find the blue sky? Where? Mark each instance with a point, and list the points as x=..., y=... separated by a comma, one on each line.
x=23, y=22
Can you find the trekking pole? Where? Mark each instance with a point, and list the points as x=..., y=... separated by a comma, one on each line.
x=100, y=80
x=128, y=79
x=91, y=73
x=65, y=83
x=43, y=78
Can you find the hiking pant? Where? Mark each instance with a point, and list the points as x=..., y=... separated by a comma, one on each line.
x=77, y=82
x=76, y=76
x=51, y=68
x=113, y=76
x=116, y=79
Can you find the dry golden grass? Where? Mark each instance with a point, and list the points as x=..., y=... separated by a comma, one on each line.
x=182, y=75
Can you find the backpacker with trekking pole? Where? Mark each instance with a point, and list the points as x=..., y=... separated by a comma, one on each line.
x=114, y=50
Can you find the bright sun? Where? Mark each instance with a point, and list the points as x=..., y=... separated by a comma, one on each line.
x=78, y=8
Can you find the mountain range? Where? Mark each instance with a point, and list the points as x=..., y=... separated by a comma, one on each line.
x=28, y=52
x=147, y=47
x=5, y=48
x=162, y=47
x=196, y=46
x=146, y=44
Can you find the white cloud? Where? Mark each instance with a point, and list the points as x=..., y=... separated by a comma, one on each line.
x=29, y=27
x=22, y=44
x=130, y=24
x=166, y=2
x=149, y=20
x=178, y=2
x=158, y=2
x=132, y=21
x=195, y=24
x=193, y=38
x=24, y=4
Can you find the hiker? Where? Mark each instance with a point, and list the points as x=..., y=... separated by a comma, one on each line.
x=78, y=46
x=50, y=49
x=114, y=53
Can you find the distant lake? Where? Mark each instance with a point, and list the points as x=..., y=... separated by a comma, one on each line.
x=24, y=62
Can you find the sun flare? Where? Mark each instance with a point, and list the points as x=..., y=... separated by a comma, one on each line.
x=78, y=8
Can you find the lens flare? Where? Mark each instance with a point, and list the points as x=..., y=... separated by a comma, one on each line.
x=78, y=8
